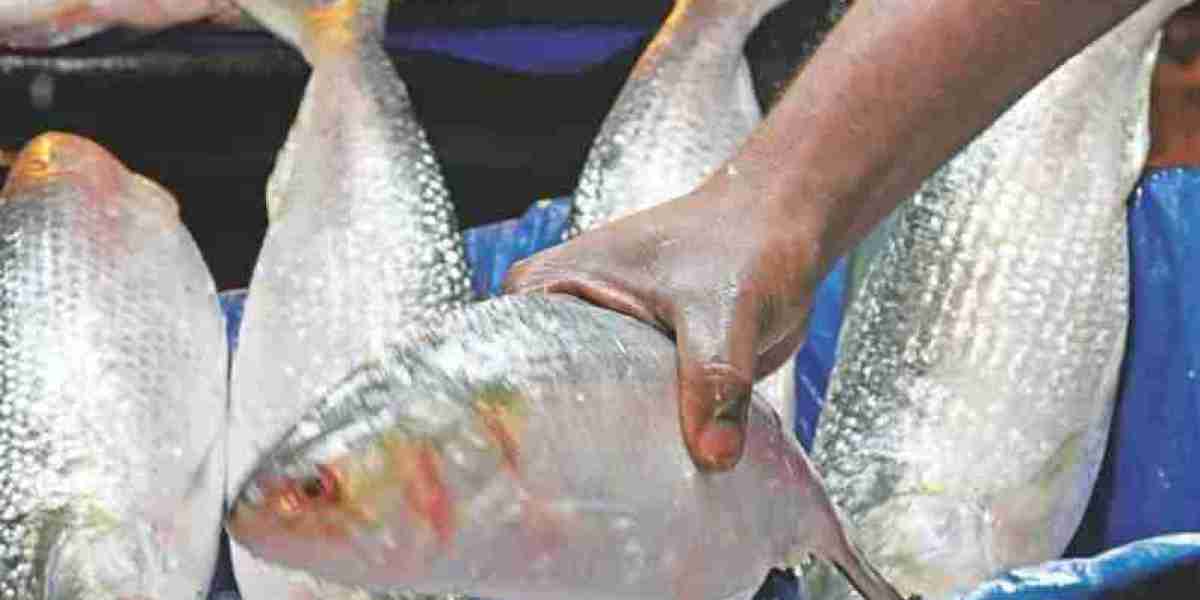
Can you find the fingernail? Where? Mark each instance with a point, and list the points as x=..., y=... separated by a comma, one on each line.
x=729, y=404
x=720, y=445
x=722, y=437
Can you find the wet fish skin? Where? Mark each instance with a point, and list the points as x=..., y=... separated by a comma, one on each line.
x=43, y=24
x=112, y=384
x=688, y=105
x=968, y=413
x=362, y=241
x=528, y=447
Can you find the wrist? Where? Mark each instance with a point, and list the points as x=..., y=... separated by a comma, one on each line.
x=771, y=210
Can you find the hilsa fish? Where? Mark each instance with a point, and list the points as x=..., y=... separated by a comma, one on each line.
x=112, y=398
x=528, y=447
x=688, y=105
x=43, y=24
x=969, y=409
x=362, y=241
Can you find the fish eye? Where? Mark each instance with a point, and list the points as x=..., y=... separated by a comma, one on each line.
x=322, y=485
x=313, y=487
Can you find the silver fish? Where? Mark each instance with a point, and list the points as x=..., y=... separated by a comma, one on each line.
x=45, y=24
x=112, y=399
x=362, y=241
x=686, y=108
x=528, y=447
x=969, y=409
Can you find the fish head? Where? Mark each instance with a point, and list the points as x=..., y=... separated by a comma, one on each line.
x=338, y=505
x=290, y=503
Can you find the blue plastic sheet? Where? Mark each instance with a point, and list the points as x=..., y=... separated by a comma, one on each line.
x=525, y=47
x=1149, y=485
x=1150, y=482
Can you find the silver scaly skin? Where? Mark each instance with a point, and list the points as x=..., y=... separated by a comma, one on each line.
x=112, y=385
x=969, y=409
x=362, y=242
x=686, y=108
x=42, y=24
x=528, y=447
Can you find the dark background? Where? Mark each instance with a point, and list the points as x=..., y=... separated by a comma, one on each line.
x=204, y=111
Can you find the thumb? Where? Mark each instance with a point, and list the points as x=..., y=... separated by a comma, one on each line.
x=716, y=350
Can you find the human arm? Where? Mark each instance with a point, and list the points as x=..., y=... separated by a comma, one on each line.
x=896, y=88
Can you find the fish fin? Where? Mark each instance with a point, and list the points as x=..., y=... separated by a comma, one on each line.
x=103, y=560
x=862, y=575
x=68, y=24
x=747, y=594
x=332, y=25
x=1024, y=514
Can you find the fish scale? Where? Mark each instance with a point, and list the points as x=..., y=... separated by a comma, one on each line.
x=687, y=106
x=504, y=451
x=111, y=367
x=968, y=412
x=362, y=242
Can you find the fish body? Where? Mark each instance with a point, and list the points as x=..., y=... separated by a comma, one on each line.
x=362, y=241
x=969, y=409
x=528, y=447
x=686, y=108
x=42, y=24
x=112, y=398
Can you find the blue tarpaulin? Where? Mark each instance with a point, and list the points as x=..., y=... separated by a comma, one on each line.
x=1149, y=486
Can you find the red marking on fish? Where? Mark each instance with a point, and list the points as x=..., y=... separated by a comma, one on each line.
x=502, y=435
x=428, y=495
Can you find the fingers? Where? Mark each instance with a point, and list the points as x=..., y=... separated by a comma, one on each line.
x=781, y=352
x=716, y=363
x=539, y=275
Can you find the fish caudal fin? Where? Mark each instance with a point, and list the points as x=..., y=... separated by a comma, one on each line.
x=752, y=11
x=863, y=577
x=317, y=27
x=106, y=561
x=839, y=553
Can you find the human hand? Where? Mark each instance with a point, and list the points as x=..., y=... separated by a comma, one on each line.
x=731, y=280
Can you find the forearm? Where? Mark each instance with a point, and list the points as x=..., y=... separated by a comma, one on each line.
x=895, y=90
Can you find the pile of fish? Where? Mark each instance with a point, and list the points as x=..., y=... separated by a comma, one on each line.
x=687, y=106
x=433, y=484
x=968, y=413
x=417, y=440
x=362, y=232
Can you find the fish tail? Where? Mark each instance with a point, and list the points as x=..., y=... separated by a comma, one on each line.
x=341, y=25
x=839, y=553
x=862, y=575
x=317, y=27
x=103, y=561
x=750, y=11
x=55, y=154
